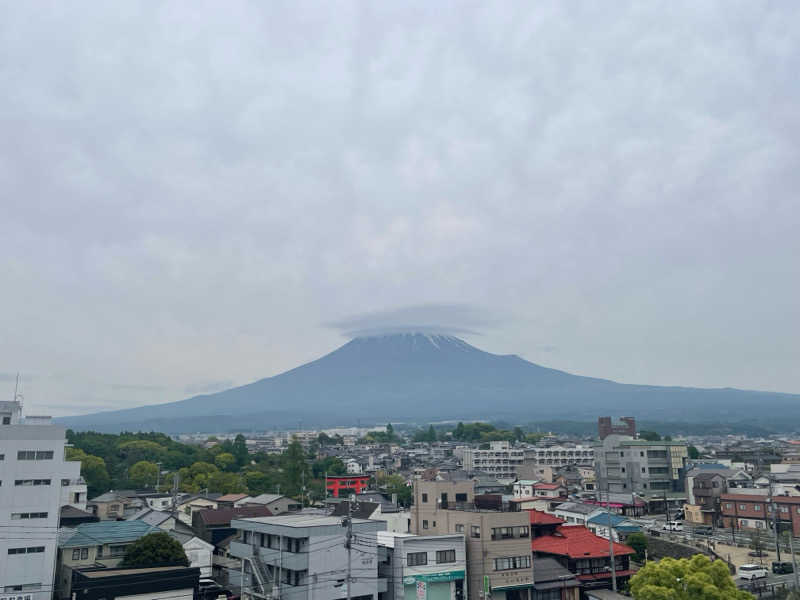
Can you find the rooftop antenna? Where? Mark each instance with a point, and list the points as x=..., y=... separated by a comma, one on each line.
x=18, y=397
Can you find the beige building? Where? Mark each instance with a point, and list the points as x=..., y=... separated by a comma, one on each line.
x=498, y=543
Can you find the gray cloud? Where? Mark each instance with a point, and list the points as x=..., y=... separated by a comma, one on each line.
x=190, y=192
x=455, y=319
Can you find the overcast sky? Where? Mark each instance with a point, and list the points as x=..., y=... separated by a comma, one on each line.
x=192, y=192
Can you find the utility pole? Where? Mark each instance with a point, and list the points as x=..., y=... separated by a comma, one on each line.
x=775, y=520
x=175, y=481
x=158, y=476
x=611, y=542
x=347, y=522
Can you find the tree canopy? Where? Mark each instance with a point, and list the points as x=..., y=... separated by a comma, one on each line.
x=155, y=550
x=695, y=578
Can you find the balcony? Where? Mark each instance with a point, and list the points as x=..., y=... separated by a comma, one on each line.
x=296, y=561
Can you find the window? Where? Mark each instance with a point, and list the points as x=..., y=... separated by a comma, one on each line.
x=118, y=550
x=461, y=497
x=76, y=553
x=521, y=532
x=35, y=455
x=784, y=509
x=415, y=559
x=434, y=523
x=643, y=470
x=36, y=515
x=31, y=482
x=659, y=470
x=6, y=420
x=475, y=531
x=729, y=506
x=623, y=469
x=425, y=523
x=28, y=550
x=512, y=562
x=459, y=528
x=742, y=507
x=756, y=507
x=64, y=482
x=424, y=497
x=445, y=556
x=84, y=553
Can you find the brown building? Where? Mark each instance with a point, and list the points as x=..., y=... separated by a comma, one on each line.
x=498, y=542
x=746, y=511
x=626, y=426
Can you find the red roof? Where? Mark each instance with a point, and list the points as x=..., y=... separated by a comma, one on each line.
x=539, y=517
x=547, y=486
x=576, y=541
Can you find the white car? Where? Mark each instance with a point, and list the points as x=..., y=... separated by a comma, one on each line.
x=673, y=526
x=752, y=572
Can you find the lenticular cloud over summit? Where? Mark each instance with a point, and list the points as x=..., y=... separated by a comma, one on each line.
x=445, y=319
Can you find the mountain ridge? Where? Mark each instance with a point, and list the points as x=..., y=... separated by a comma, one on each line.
x=425, y=376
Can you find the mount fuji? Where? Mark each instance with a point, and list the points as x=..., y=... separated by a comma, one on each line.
x=421, y=377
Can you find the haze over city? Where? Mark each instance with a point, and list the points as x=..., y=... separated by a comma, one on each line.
x=194, y=199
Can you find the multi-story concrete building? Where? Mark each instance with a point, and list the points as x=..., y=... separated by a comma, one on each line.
x=560, y=456
x=626, y=465
x=32, y=473
x=498, y=543
x=303, y=556
x=430, y=567
x=500, y=460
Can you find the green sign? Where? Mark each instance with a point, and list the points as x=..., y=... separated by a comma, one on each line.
x=434, y=577
x=486, y=587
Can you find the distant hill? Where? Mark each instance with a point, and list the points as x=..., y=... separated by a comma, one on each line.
x=422, y=377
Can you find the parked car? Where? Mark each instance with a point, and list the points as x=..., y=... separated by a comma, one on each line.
x=752, y=572
x=703, y=530
x=781, y=567
x=673, y=526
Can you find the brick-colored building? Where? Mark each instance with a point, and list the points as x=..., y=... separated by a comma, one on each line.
x=746, y=511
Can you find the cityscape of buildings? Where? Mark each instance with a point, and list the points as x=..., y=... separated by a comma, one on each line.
x=510, y=520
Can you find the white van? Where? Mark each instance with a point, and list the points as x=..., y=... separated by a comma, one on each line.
x=752, y=572
x=673, y=526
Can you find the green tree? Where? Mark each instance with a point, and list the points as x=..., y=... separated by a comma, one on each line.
x=295, y=468
x=240, y=450
x=390, y=432
x=258, y=482
x=225, y=461
x=136, y=450
x=331, y=465
x=396, y=484
x=695, y=578
x=155, y=550
x=694, y=453
x=93, y=470
x=637, y=541
x=650, y=436
x=226, y=483
x=144, y=474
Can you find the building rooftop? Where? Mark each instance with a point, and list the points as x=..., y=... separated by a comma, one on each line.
x=223, y=516
x=576, y=541
x=539, y=517
x=105, y=532
x=232, y=497
x=302, y=520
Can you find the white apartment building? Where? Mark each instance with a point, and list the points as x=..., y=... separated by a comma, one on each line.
x=32, y=474
x=500, y=460
x=560, y=456
x=303, y=557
